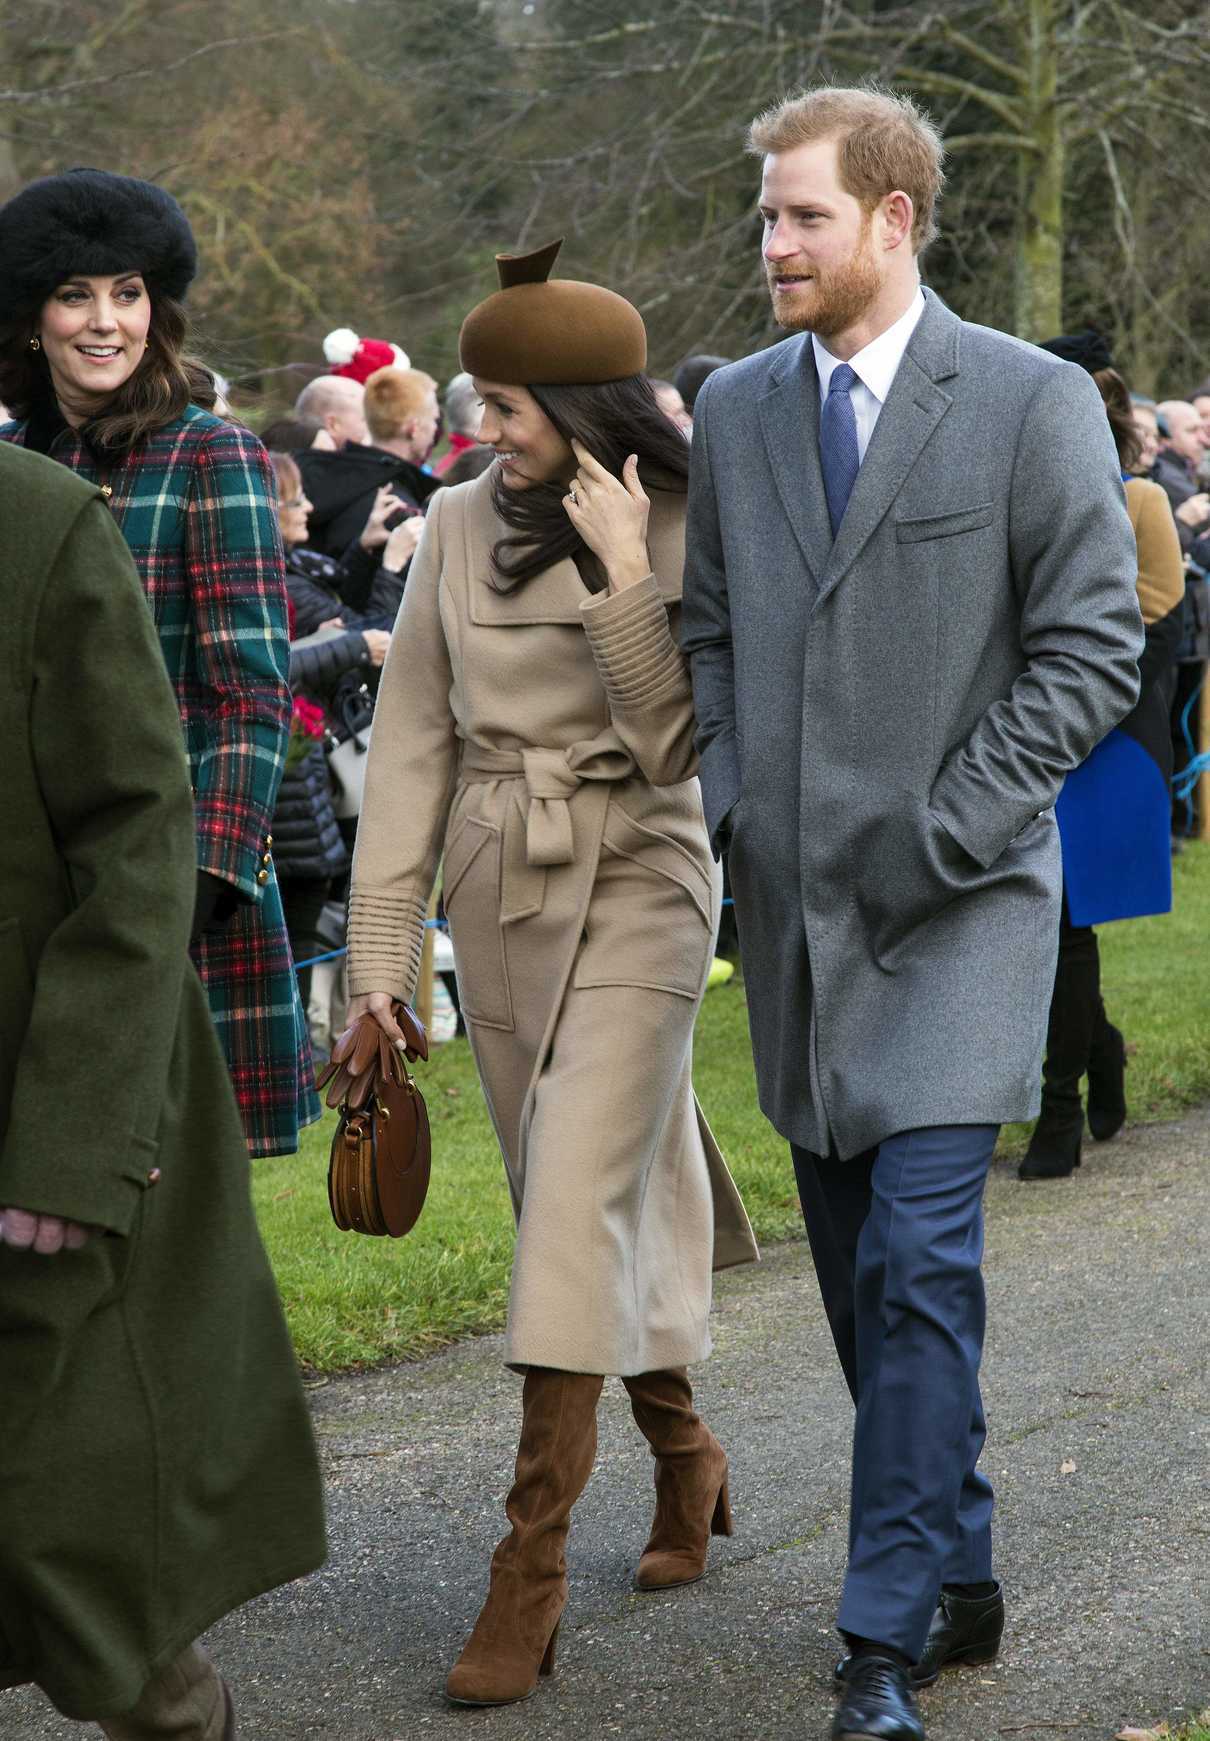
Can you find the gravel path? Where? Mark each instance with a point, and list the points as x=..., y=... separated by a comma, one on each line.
x=1097, y=1357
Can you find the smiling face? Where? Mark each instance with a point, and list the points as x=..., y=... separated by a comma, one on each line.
x=94, y=335
x=529, y=449
x=829, y=262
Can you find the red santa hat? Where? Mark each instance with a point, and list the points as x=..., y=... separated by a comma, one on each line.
x=356, y=358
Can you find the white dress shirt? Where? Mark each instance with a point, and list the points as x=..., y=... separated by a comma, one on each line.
x=875, y=367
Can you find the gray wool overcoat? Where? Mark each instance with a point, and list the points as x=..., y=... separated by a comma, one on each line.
x=885, y=720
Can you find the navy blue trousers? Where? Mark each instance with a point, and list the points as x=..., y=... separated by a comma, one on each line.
x=897, y=1239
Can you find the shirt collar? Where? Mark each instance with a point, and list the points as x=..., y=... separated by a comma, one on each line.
x=877, y=364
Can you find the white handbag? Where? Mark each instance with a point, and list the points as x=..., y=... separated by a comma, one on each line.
x=347, y=755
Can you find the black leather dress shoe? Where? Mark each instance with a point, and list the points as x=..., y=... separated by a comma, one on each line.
x=876, y=1703
x=965, y=1629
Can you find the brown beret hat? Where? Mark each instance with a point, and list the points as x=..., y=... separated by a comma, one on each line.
x=549, y=332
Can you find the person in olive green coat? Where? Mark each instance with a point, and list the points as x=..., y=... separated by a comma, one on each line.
x=156, y=1460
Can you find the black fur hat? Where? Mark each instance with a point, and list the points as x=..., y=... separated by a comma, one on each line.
x=1088, y=348
x=87, y=222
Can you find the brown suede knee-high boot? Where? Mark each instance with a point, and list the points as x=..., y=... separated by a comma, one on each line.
x=692, y=1500
x=514, y=1637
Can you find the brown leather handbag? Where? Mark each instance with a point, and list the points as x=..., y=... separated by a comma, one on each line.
x=378, y=1174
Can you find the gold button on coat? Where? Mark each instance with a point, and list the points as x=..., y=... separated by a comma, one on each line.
x=262, y=876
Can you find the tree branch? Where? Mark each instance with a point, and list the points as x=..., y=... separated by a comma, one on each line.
x=924, y=80
x=145, y=72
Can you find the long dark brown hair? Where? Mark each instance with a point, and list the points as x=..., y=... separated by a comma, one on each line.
x=612, y=419
x=166, y=380
x=1120, y=411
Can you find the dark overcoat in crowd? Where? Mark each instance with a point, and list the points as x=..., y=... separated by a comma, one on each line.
x=196, y=504
x=341, y=487
x=156, y=1462
x=885, y=719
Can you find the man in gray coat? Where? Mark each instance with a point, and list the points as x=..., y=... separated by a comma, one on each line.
x=910, y=608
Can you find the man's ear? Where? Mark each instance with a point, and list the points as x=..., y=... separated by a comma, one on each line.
x=898, y=214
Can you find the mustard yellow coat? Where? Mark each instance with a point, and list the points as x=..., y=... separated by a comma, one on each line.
x=540, y=743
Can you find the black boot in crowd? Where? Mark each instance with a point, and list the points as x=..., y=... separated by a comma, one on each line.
x=1054, y=1148
x=1106, y=1079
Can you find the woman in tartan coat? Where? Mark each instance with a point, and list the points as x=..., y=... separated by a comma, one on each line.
x=93, y=268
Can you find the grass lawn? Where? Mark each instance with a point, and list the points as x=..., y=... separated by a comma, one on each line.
x=1196, y=1731
x=353, y=1301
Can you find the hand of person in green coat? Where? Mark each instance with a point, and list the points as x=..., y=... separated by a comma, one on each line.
x=45, y=1234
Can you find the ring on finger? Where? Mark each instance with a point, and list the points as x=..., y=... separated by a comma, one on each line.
x=572, y=496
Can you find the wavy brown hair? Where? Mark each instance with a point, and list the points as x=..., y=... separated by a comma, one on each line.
x=612, y=419
x=166, y=380
x=1119, y=409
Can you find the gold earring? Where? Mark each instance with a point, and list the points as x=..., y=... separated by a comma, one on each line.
x=35, y=344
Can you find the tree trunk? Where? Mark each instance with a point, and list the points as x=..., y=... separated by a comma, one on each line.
x=1039, y=299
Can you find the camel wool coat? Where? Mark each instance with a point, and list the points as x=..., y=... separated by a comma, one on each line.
x=540, y=743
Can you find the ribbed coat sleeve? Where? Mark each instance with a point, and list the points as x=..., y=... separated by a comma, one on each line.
x=410, y=777
x=646, y=679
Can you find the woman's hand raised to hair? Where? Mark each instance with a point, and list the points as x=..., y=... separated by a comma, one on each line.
x=610, y=514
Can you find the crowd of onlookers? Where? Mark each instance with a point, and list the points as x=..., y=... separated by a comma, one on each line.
x=357, y=461
x=1176, y=454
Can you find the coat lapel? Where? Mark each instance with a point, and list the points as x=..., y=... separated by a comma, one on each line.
x=789, y=418
x=914, y=408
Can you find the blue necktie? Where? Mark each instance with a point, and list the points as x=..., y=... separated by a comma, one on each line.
x=838, y=444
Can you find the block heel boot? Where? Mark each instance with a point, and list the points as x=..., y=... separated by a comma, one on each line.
x=1055, y=1146
x=513, y=1644
x=692, y=1498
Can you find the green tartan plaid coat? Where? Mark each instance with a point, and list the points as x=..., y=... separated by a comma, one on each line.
x=195, y=502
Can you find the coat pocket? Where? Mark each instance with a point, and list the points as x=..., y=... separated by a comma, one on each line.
x=651, y=918
x=470, y=880
x=944, y=525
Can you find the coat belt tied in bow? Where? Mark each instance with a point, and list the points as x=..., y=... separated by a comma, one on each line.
x=538, y=833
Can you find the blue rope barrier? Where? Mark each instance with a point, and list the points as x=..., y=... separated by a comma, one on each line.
x=1183, y=784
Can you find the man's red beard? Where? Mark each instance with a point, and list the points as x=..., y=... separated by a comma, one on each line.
x=833, y=300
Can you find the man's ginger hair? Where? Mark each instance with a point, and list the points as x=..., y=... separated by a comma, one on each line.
x=392, y=396
x=885, y=144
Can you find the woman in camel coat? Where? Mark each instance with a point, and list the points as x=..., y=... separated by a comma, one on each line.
x=534, y=734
